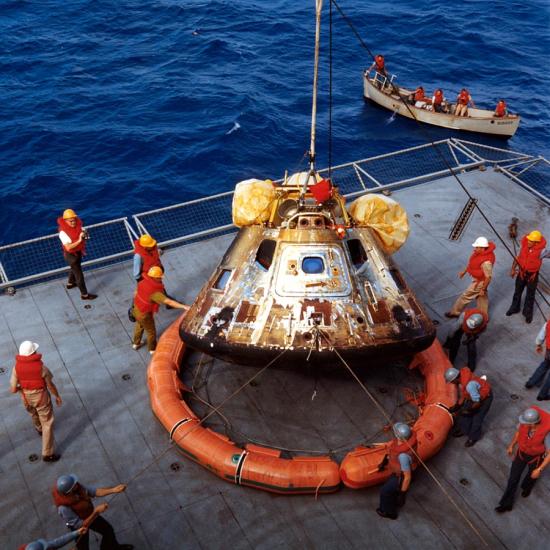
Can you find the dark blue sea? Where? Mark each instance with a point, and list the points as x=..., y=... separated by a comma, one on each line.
x=115, y=107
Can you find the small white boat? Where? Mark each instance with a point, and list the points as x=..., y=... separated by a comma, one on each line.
x=380, y=89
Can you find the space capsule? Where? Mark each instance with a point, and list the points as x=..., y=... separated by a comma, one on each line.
x=305, y=275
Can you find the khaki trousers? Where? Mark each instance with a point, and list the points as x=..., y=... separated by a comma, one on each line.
x=471, y=293
x=145, y=322
x=39, y=406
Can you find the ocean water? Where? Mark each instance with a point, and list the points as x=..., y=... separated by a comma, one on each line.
x=115, y=107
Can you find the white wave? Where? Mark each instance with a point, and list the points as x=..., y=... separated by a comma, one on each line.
x=236, y=126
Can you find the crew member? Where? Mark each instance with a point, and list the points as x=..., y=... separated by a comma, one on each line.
x=74, y=505
x=480, y=268
x=35, y=382
x=419, y=96
x=73, y=239
x=501, y=110
x=401, y=459
x=59, y=542
x=542, y=342
x=379, y=65
x=438, y=101
x=533, y=445
x=150, y=293
x=462, y=101
x=146, y=255
x=474, y=402
x=525, y=268
x=471, y=322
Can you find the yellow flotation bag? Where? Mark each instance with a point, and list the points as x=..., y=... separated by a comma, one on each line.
x=386, y=216
x=252, y=202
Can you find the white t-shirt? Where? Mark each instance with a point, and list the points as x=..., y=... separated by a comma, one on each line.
x=64, y=238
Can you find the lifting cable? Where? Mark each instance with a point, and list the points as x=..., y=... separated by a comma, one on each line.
x=424, y=465
x=426, y=135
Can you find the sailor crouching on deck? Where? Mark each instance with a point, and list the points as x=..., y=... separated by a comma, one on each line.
x=473, y=405
x=150, y=293
x=59, y=542
x=525, y=269
x=74, y=505
x=471, y=322
x=480, y=268
x=34, y=380
x=400, y=460
x=533, y=445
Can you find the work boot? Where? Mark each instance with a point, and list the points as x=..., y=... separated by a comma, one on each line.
x=51, y=458
x=511, y=312
x=89, y=296
x=458, y=433
x=70, y=285
x=500, y=509
x=384, y=515
x=451, y=315
x=469, y=443
x=525, y=493
x=543, y=397
x=528, y=385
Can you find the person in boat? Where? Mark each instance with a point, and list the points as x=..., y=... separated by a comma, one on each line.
x=35, y=382
x=73, y=239
x=379, y=66
x=146, y=255
x=474, y=402
x=525, y=269
x=401, y=460
x=438, y=101
x=542, y=343
x=471, y=323
x=533, y=452
x=74, y=504
x=150, y=294
x=419, y=96
x=463, y=99
x=501, y=110
x=59, y=542
x=480, y=268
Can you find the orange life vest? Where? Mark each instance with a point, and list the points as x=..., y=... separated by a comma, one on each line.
x=534, y=445
x=73, y=233
x=149, y=256
x=501, y=109
x=396, y=448
x=29, y=371
x=419, y=95
x=467, y=314
x=145, y=289
x=380, y=64
x=78, y=501
x=438, y=97
x=466, y=376
x=548, y=334
x=479, y=257
x=529, y=258
x=463, y=97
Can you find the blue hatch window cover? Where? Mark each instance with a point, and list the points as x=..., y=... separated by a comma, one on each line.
x=222, y=279
x=313, y=265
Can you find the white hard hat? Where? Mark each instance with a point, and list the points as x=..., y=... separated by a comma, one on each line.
x=27, y=348
x=481, y=242
x=474, y=321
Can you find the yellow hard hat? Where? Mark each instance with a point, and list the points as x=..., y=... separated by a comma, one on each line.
x=69, y=213
x=147, y=241
x=156, y=272
x=535, y=236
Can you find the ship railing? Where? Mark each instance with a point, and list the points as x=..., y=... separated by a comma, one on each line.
x=112, y=241
x=42, y=258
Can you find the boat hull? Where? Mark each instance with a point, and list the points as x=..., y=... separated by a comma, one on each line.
x=480, y=121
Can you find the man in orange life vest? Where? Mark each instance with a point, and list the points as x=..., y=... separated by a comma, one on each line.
x=533, y=441
x=525, y=268
x=146, y=255
x=537, y=378
x=73, y=239
x=473, y=404
x=74, y=505
x=379, y=66
x=462, y=100
x=401, y=460
x=471, y=322
x=438, y=100
x=34, y=380
x=500, y=110
x=480, y=268
x=150, y=293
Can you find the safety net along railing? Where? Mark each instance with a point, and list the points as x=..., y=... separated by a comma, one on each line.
x=111, y=241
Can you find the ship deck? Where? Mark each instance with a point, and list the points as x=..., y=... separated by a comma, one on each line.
x=107, y=433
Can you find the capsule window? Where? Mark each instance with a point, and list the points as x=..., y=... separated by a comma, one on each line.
x=264, y=255
x=313, y=265
x=222, y=280
x=357, y=252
